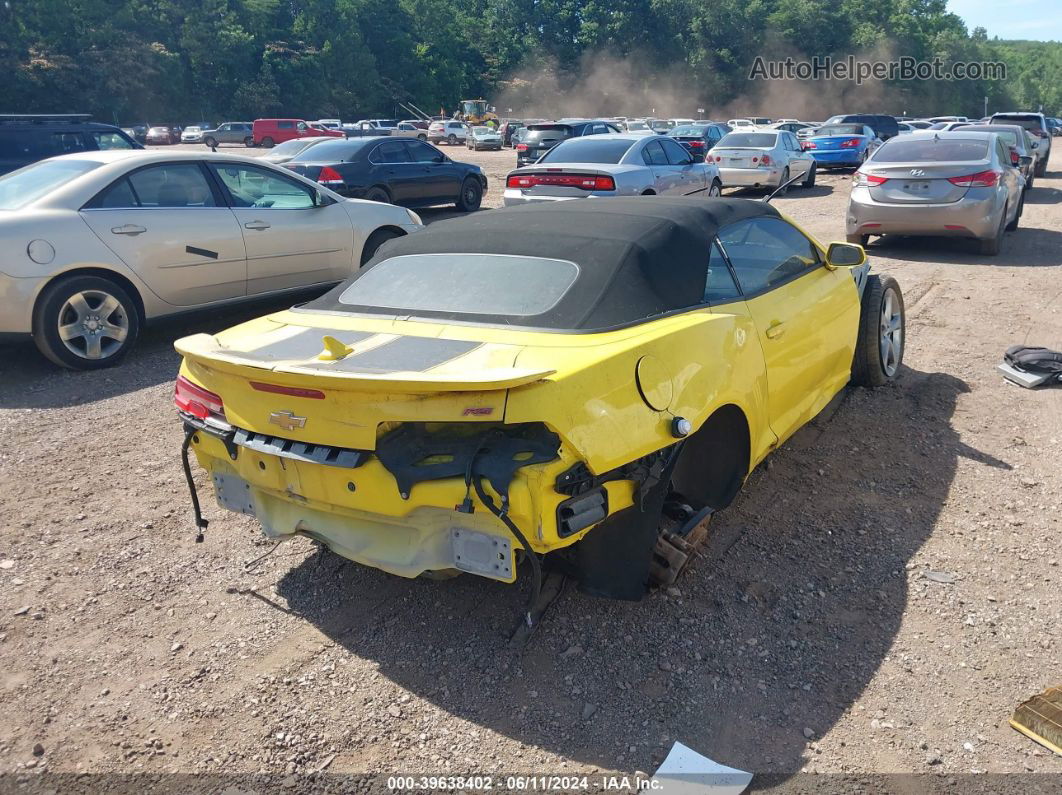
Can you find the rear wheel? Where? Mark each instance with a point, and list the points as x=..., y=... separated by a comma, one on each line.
x=993, y=245
x=451, y=139
x=809, y=178
x=85, y=322
x=267, y=143
x=248, y=142
x=377, y=239
x=862, y=240
x=716, y=189
x=422, y=137
x=378, y=194
x=471, y=196
x=880, y=344
x=1021, y=206
x=782, y=187
x=1041, y=167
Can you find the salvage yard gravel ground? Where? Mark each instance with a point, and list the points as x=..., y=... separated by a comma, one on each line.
x=881, y=596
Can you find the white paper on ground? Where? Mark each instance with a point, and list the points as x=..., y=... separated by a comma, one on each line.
x=686, y=772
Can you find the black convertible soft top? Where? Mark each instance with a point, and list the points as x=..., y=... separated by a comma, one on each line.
x=637, y=258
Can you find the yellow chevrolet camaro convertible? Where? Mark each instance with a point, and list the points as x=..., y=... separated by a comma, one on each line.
x=572, y=386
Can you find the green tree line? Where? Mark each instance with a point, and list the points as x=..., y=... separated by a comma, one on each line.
x=179, y=60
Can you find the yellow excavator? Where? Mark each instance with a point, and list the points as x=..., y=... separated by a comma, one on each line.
x=475, y=111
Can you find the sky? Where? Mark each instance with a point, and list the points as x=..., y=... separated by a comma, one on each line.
x=1040, y=20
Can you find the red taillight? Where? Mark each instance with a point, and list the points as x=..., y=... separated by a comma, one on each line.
x=279, y=389
x=198, y=402
x=808, y=145
x=765, y=160
x=982, y=179
x=329, y=176
x=866, y=180
x=696, y=144
x=1015, y=159
x=584, y=181
x=851, y=143
x=521, y=147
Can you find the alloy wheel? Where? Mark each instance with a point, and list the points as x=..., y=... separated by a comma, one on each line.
x=891, y=336
x=93, y=324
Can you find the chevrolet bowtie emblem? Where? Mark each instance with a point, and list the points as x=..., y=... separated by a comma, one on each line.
x=287, y=420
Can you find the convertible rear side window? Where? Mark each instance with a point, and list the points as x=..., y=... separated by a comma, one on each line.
x=463, y=284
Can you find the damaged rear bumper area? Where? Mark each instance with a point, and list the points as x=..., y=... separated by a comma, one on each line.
x=362, y=504
x=436, y=497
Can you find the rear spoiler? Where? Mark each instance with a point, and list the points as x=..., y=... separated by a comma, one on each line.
x=204, y=349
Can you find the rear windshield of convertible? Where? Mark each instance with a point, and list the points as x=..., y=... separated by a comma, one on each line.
x=462, y=284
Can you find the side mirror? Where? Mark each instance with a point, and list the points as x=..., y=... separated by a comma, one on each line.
x=845, y=255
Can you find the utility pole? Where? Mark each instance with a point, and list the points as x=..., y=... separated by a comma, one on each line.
x=986, y=107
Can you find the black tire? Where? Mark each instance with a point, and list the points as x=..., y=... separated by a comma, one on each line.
x=422, y=137
x=248, y=142
x=1021, y=207
x=782, y=191
x=267, y=143
x=451, y=139
x=377, y=239
x=471, y=195
x=210, y=142
x=869, y=367
x=53, y=309
x=991, y=246
x=378, y=194
x=809, y=178
x=862, y=240
x=1041, y=167
x=716, y=189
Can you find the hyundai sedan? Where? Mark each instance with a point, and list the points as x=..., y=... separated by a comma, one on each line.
x=944, y=184
x=616, y=164
x=98, y=243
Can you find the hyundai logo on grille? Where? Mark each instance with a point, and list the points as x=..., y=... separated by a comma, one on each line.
x=287, y=420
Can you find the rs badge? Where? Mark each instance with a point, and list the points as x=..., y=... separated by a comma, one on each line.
x=287, y=420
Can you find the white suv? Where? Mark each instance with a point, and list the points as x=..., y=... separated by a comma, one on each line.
x=452, y=132
x=1039, y=131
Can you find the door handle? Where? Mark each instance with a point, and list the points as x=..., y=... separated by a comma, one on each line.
x=775, y=330
x=128, y=229
x=256, y=225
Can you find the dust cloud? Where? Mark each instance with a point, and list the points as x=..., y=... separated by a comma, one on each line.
x=604, y=86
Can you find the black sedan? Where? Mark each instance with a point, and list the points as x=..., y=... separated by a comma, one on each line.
x=698, y=138
x=387, y=169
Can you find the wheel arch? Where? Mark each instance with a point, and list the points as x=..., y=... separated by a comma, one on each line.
x=104, y=273
x=716, y=458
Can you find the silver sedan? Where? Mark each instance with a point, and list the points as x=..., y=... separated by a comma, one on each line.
x=762, y=159
x=100, y=242
x=951, y=184
x=615, y=164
